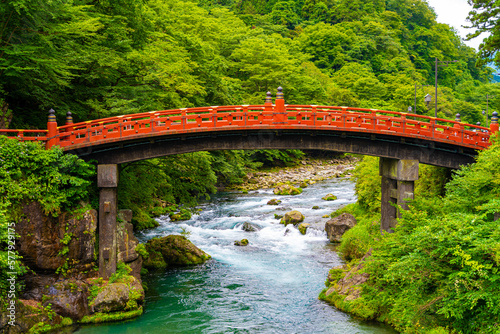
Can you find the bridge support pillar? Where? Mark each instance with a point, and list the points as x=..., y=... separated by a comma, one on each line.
x=398, y=184
x=107, y=181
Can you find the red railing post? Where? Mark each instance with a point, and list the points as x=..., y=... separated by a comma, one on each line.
x=494, y=123
x=51, y=130
x=280, y=110
x=69, y=121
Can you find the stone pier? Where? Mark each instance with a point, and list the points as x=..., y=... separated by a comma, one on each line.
x=398, y=184
x=107, y=181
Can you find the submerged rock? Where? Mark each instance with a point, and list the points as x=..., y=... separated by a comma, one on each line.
x=173, y=251
x=336, y=227
x=293, y=217
x=249, y=227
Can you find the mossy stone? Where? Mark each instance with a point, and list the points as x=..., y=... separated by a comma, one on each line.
x=329, y=197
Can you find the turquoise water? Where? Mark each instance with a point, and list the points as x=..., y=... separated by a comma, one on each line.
x=270, y=286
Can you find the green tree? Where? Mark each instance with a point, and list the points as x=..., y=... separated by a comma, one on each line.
x=484, y=18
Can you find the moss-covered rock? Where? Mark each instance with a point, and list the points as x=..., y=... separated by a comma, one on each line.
x=29, y=316
x=315, y=207
x=303, y=227
x=293, y=217
x=329, y=197
x=183, y=214
x=121, y=293
x=173, y=251
x=273, y=201
x=242, y=242
x=287, y=189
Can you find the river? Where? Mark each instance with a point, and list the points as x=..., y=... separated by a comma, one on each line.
x=270, y=286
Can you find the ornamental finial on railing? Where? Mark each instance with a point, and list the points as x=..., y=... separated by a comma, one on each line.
x=279, y=95
x=69, y=118
x=52, y=116
x=269, y=97
x=457, y=118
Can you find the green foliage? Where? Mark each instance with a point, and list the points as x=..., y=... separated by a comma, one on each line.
x=368, y=183
x=141, y=250
x=439, y=271
x=122, y=271
x=30, y=173
x=483, y=18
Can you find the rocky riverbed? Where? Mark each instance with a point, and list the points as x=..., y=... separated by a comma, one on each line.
x=309, y=171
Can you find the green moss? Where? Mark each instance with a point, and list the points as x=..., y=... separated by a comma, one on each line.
x=183, y=214
x=109, y=317
x=242, y=242
x=303, y=228
x=141, y=250
x=329, y=197
x=43, y=327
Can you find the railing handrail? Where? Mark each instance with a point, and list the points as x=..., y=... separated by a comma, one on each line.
x=222, y=118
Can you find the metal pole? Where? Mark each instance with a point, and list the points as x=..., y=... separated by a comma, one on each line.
x=486, y=109
x=436, y=89
x=415, y=110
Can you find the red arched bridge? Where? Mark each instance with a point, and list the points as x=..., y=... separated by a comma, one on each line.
x=402, y=141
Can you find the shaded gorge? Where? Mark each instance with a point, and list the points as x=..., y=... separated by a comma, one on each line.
x=270, y=286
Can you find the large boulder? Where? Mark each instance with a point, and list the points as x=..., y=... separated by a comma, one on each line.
x=287, y=189
x=119, y=296
x=48, y=242
x=68, y=298
x=173, y=251
x=293, y=217
x=336, y=227
x=28, y=316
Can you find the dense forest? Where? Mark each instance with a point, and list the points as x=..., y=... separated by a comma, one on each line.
x=99, y=58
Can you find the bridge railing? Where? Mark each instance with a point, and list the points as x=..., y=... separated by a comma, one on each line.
x=250, y=117
x=28, y=135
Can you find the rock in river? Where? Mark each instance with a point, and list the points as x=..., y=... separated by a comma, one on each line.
x=173, y=251
x=293, y=217
x=337, y=226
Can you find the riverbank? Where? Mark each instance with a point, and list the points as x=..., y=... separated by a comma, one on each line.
x=309, y=171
